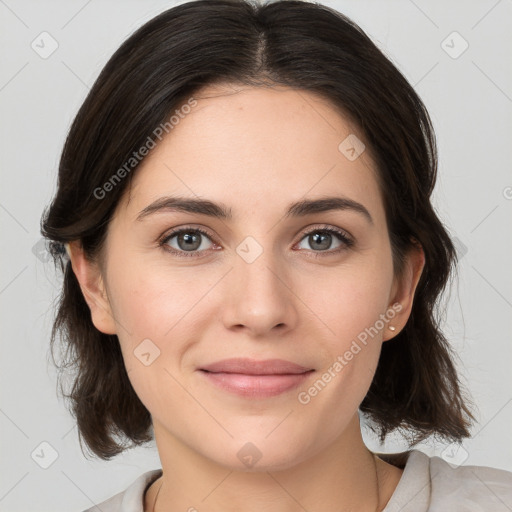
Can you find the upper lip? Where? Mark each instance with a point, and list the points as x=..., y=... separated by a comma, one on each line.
x=255, y=367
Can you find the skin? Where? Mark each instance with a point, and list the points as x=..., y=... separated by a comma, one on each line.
x=255, y=150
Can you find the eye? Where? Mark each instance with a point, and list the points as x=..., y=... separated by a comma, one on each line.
x=191, y=241
x=186, y=240
x=321, y=239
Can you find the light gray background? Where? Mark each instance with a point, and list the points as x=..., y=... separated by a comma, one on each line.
x=470, y=100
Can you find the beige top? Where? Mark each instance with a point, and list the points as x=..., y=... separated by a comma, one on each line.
x=428, y=484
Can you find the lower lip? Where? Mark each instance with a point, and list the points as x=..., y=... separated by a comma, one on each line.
x=256, y=386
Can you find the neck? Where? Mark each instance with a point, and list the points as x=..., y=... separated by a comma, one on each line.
x=345, y=476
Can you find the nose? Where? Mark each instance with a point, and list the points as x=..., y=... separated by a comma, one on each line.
x=259, y=297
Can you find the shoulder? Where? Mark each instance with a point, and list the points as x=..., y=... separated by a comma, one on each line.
x=469, y=485
x=132, y=498
x=430, y=483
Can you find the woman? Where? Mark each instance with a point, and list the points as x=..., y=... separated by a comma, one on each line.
x=244, y=198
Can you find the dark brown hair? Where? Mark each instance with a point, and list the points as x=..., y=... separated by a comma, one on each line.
x=292, y=43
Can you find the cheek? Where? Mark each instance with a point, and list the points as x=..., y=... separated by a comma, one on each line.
x=349, y=299
x=152, y=302
x=152, y=314
x=158, y=311
x=351, y=311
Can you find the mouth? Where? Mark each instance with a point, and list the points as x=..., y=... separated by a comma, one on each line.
x=255, y=379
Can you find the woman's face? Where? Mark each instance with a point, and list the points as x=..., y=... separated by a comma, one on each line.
x=264, y=282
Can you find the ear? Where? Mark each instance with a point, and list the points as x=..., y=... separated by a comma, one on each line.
x=93, y=288
x=404, y=287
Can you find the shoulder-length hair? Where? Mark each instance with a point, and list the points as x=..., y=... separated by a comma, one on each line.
x=297, y=44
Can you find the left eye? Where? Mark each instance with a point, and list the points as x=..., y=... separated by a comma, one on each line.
x=190, y=242
x=320, y=239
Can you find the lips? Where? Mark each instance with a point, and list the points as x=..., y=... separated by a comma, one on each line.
x=251, y=378
x=254, y=367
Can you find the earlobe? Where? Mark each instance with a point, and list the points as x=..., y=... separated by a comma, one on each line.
x=93, y=288
x=404, y=290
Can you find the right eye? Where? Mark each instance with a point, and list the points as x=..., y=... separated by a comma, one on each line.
x=185, y=242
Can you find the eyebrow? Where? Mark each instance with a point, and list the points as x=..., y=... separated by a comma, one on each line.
x=221, y=211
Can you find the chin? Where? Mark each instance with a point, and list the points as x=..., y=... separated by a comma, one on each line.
x=259, y=454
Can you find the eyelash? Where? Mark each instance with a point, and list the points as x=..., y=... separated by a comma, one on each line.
x=341, y=235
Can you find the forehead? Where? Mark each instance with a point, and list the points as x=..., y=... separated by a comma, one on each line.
x=247, y=146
